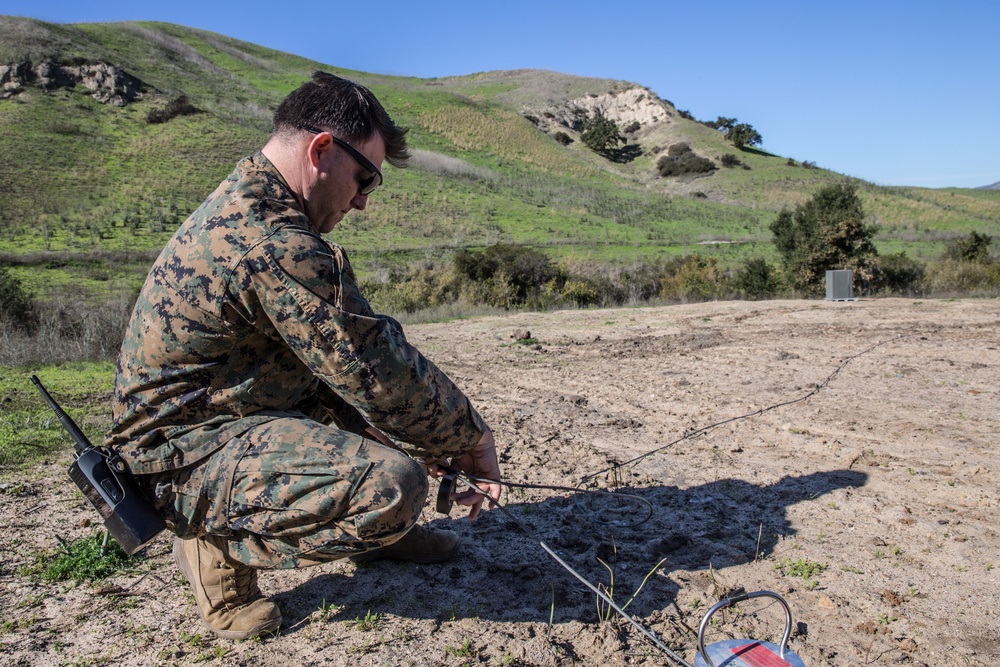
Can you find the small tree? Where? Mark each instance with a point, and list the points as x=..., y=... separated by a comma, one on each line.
x=972, y=248
x=827, y=232
x=601, y=134
x=743, y=134
x=721, y=123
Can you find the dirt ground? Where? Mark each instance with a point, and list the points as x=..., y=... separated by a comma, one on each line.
x=856, y=475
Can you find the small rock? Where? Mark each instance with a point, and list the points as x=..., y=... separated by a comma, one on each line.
x=827, y=603
x=521, y=334
x=908, y=645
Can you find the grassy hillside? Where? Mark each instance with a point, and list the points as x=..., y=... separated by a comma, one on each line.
x=91, y=181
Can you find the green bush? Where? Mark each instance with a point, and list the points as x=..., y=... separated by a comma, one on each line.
x=972, y=248
x=681, y=160
x=756, y=279
x=968, y=278
x=413, y=290
x=898, y=274
x=512, y=271
x=563, y=138
x=692, y=278
x=17, y=308
x=581, y=292
x=730, y=160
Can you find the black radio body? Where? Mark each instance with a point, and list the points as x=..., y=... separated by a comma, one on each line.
x=108, y=485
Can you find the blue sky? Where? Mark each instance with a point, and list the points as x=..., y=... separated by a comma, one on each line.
x=897, y=93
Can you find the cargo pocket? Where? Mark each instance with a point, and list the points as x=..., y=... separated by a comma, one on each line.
x=202, y=492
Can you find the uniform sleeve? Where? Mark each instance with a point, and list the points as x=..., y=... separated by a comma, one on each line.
x=306, y=289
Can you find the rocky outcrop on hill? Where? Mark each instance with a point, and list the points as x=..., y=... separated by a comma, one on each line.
x=635, y=105
x=107, y=83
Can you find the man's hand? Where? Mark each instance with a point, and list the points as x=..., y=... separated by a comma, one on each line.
x=480, y=462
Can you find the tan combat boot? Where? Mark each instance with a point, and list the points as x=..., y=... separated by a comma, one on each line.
x=422, y=545
x=226, y=591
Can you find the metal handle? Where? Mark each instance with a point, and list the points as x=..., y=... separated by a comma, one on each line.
x=740, y=598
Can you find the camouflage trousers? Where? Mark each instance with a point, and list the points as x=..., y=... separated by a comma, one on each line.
x=294, y=492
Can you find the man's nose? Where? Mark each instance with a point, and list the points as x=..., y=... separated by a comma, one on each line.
x=359, y=202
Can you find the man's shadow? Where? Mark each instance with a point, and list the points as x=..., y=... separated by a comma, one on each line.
x=503, y=574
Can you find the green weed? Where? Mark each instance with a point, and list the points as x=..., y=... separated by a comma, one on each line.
x=466, y=650
x=801, y=568
x=369, y=623
x=82, y=560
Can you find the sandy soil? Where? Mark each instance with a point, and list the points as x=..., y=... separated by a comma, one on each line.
x=862, y=488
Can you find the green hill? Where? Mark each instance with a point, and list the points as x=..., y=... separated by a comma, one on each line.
x=89, y=181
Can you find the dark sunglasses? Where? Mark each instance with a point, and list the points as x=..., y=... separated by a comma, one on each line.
x=370, y=178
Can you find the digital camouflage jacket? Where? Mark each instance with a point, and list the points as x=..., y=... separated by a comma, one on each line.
x=248, y=315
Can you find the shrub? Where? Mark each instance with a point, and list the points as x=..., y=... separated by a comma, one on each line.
x=681, y=160
x=898, y=273
x=407, y=291
x=972, y=248
x=756, y=279
x=955, y=277
x=563, y=138
x=581, y=292
x=17, y=308
x=510, y=271
x=632, y=127
x=730, y=160
x=692, y=278
x=641, y=282
x=179, y=106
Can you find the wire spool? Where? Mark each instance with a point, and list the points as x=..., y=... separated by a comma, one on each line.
x=444, y=501
x=746, y=652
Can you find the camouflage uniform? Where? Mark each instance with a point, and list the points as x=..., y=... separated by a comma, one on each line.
x=249, y=337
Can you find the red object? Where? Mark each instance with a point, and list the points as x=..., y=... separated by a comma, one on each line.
x=758, y=655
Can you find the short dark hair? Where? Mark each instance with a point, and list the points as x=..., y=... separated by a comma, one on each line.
x=345, y=108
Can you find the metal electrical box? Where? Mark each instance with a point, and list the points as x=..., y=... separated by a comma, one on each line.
x=840, y=285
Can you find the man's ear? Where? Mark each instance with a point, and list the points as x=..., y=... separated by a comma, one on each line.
x=319, y=145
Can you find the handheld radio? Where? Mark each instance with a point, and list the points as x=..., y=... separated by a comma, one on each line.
x=108, y=485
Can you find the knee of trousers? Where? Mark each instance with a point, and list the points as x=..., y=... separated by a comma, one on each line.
x=394, y=492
